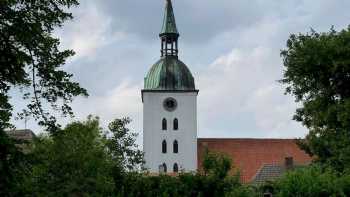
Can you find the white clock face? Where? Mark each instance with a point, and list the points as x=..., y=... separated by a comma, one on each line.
x=170, y=104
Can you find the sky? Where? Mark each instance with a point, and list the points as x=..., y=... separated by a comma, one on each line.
x=232, y=48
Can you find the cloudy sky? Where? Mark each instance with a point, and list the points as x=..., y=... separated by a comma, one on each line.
x=231, y=46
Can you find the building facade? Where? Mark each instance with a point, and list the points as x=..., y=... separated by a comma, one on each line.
x=169, y=107
x=170, y=123
x=256, y=159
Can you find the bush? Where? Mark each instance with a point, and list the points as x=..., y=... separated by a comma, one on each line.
x=183, y=185
x=213, y=181
x=313, y=181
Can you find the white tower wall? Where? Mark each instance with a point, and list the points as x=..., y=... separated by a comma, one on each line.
x=186, y=135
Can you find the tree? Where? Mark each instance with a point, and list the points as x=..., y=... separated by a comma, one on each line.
x=82, y=160
x=72, y=163
x=312, y=181
x=14, y=167
x=317, y=73
x=122, y=145
x=215, y=182
x=30, y=59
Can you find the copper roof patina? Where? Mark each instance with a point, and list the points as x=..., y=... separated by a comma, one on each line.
x=169, y=73
x=169, y=24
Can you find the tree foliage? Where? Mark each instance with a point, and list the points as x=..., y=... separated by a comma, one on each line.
x=30, y=59
x=84, y=160
x=214, y=182
x=122, y=145
x=317, y=73
x=30, y=65
x=80, y=161
x=312, y=181
x=14, y=166
x=216, y=164
x=74, y=162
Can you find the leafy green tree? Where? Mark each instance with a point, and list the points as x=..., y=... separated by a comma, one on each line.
x=312, y=181
x=317, y=73
x=30, y=58
x=216, y=164
x=216, y=179
x=215, y=182
x=122, y=145
x=30, y=62
x=73, y=163
x=82, y=160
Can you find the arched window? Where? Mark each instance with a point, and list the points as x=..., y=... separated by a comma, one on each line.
x=175, y=168
x=176, y=124
x=164, y=124
x=164, y=146
x=175, y=147
x=164, y=167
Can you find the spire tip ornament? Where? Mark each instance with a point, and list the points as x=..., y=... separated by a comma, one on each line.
x=169, y=34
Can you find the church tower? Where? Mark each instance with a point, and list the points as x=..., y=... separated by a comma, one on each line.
x=169, y=107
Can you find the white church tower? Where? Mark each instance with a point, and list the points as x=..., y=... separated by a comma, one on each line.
x=169, y=107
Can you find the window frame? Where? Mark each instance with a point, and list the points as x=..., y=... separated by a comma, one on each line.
x=164, y=124
x=164, y=147
x=175, y=168
x=176, y=124
x=165, y=167
x=175, y=147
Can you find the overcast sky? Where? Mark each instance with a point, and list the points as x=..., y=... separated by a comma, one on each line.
x=232, y=48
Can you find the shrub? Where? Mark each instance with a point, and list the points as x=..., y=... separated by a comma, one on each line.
x=313, y=181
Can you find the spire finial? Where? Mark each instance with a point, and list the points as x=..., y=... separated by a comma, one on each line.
x=169, y=24
x=169, y=34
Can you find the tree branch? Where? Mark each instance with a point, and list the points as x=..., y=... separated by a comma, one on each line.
x=38, y=103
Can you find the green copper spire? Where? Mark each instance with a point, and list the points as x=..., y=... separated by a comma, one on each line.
x=169, y=24
x=169, y=73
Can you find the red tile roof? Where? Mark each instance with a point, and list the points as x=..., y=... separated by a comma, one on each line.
x=249, y=155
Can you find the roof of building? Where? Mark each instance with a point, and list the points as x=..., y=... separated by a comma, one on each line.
x=21, y=134
x=169, y=73
x=251, y=155
x=169, y=23
x=268, y=172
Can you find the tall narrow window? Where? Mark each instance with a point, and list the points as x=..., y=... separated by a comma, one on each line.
x=175, y=168
x=176, y=124
x=164, y=167
x=164, y=124
x=164, y=146
x=175, y=147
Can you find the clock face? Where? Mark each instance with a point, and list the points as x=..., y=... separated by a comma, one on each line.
x=170, y=104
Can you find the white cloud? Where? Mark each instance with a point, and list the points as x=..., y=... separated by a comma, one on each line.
x=89, y=31
x=238, y=86
x=273, y=112
x=124, y=100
